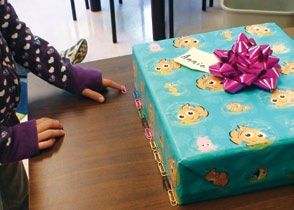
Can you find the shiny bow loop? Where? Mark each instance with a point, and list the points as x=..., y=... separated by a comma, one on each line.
x=246, y=64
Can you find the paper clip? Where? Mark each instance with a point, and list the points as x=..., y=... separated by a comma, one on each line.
x=161, y=169
x=123, y=89
x=156, y=156
x=172, y=198
x=152, y=144
x=165, y=183
x=135, y=94
x=144, y=123
x=138, y=103
x=141, y=113
x=148, y=133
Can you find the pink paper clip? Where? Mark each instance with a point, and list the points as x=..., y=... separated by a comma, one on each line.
x=123, y=89
x=138, y=103
x=148, y=133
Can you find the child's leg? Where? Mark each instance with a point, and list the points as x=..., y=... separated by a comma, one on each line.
x=14, y=186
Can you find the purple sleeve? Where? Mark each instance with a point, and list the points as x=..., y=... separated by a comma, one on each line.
x=18, y=142
x=42, y=59
x=30, y=51
x=81, y=78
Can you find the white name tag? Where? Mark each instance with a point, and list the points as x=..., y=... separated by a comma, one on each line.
x=197, y=60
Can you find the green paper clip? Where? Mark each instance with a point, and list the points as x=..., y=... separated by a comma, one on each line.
x=141, y=113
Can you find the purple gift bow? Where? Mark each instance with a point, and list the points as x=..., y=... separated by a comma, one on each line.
x=245, y=64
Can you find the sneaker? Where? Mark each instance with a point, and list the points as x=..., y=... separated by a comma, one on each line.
x=77, y=52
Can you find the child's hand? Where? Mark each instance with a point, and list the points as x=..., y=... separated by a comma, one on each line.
x=89, y=82
x=96, y=96
x=48, y=130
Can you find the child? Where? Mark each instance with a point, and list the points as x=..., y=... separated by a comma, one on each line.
x=22, y=140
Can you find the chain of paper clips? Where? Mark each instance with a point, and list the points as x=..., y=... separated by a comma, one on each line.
x=149, y=136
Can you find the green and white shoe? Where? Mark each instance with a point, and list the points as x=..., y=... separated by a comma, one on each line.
x=77, y=52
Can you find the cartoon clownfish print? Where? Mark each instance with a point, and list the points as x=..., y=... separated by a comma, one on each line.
x=287, y=68
x=282, y=98
x=210, y=82
x=259, y=30
x=186, y=42
x=191, y=114
x=250, y=136
x=166, y=67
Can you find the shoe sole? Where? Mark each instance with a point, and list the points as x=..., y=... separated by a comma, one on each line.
x=79, y=50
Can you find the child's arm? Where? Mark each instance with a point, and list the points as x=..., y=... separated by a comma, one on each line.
x=26, y=139
x=43, y=60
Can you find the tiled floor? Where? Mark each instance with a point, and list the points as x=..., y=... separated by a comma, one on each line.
x=52, y=20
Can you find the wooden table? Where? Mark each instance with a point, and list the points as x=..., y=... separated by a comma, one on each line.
x=104, y=161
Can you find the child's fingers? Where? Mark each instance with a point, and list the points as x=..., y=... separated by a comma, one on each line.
x=93, y=95
x=50, y=134
x=46, y=144
x=47, y=123
x=112, y=84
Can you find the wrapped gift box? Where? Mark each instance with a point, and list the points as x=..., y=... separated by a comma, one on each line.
x=210, y=143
